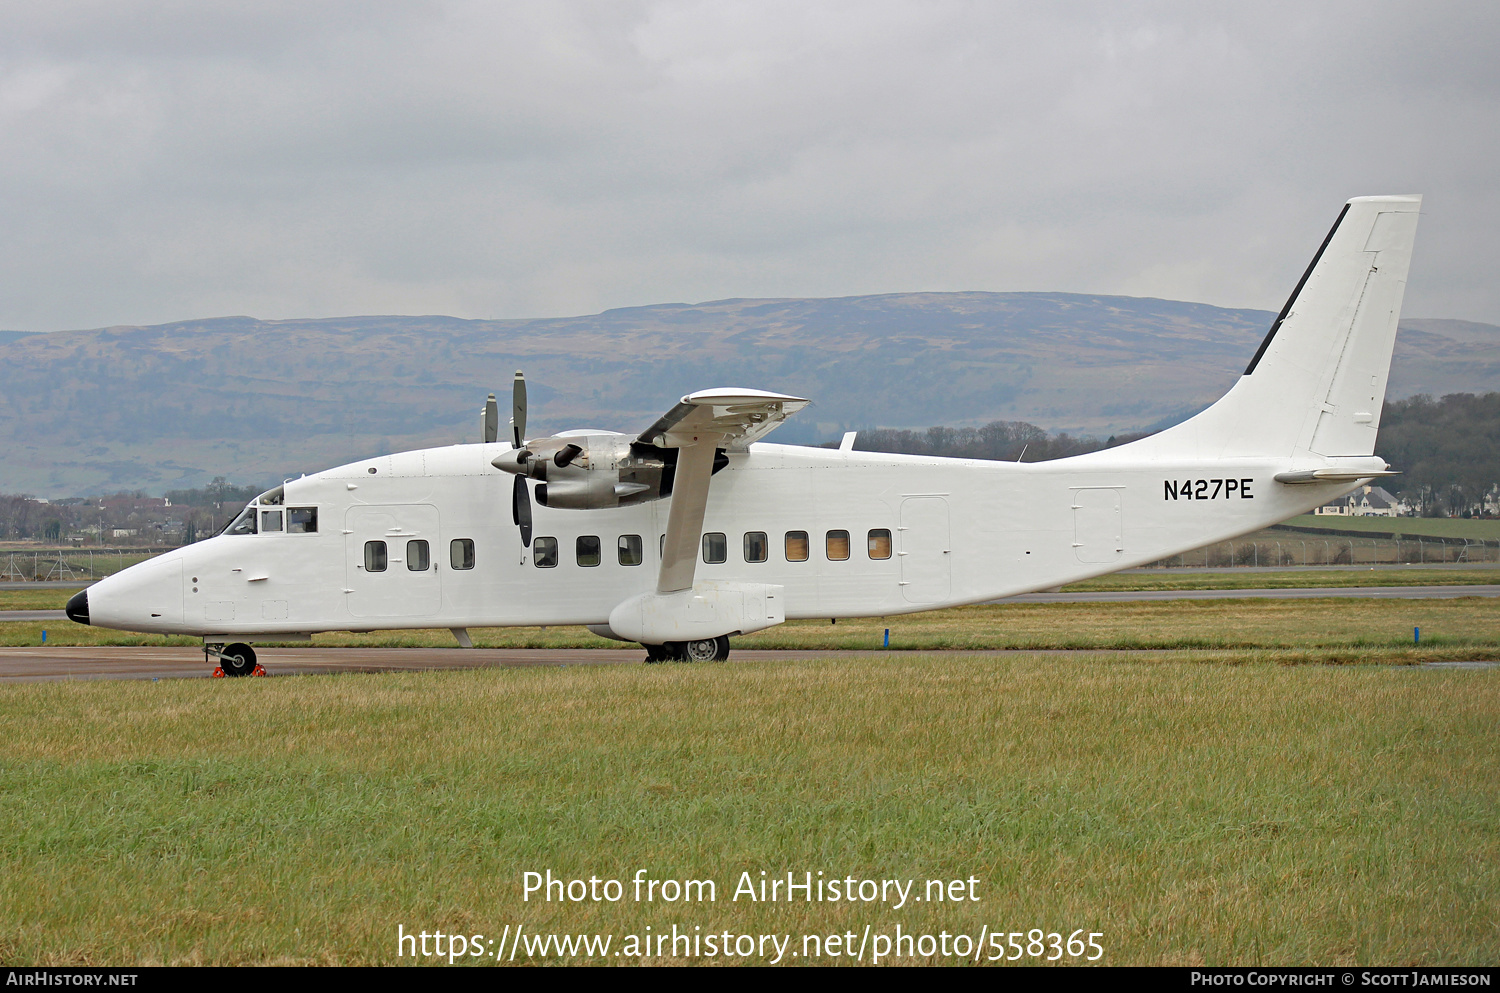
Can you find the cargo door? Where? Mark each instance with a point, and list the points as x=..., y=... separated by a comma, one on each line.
x=926, y=556
x=1098, y=527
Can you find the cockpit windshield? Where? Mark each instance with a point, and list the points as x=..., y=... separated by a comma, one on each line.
x=295, y=520
x=243, y=524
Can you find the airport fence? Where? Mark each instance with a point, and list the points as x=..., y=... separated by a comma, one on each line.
x=69, y=564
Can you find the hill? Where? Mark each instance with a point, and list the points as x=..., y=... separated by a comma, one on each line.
x=171, y=406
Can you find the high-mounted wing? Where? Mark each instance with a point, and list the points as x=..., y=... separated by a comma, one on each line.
x=699, y=425
x=734, y=416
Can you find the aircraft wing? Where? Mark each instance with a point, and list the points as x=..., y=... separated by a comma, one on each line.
x=699, y=425
x=735, y=418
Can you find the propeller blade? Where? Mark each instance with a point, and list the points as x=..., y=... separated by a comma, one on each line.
x=518, y=410
x=491, y=420
x=520, y=509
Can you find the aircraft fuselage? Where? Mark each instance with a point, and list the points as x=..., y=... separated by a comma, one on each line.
x=919, y=533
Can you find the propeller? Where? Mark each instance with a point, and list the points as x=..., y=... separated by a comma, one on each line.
x=517, y=410
x=520, y=497
x=520, y=509
x=491, y=423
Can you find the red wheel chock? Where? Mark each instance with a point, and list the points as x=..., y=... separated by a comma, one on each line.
x=219, y=671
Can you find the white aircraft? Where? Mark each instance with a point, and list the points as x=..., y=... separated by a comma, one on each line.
x=695, y=530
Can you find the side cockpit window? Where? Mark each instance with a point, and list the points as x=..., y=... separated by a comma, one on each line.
x=302, y=520
x=270, y=520
x=243, y=524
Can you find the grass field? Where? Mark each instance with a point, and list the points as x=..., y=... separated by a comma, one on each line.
x=1190, y=812
x=1409, y=527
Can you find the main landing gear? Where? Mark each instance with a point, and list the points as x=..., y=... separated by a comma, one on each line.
x=703, y=650
x=234, y=660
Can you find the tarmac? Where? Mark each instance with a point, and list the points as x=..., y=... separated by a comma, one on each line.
x=61, y=663
x=52, y=663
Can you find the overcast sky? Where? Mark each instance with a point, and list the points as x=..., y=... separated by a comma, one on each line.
x=161, y=161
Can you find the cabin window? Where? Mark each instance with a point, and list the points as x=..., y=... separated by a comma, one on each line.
x=836, y=544
x=757, y=546
x=544, y=553
x=879, y=543
x=796, y=546
x=418, y=556
x=586, y=548
x=461, y=553
x=630, y=549
x=302, y=520
x=374, y=556
x=270, y=520
x=243, y=524
x=715, y=547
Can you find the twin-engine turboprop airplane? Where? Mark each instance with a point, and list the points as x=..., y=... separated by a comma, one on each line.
x=695, y=530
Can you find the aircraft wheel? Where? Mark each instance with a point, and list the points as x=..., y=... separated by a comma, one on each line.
x=656, y=653
x=238, y=660
x=704, y=650
x=722, y=652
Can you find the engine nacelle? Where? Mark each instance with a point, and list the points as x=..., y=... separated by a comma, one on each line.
x=588, y=471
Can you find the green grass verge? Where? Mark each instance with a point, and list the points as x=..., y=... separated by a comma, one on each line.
x=1408, y=527
x=1192, y=813
x=39, y=599
x=1170, y=579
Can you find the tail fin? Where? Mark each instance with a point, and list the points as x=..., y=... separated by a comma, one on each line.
x=1316, y=385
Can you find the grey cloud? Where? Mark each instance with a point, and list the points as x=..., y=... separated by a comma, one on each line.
x=174, y=160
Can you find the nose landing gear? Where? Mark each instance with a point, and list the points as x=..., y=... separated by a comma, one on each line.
x=702, y=650
x=234, y=660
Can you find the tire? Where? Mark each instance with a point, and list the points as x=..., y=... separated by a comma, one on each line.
x=656, y=653
x=237, y=660
x=703, y=650
x=722, y=652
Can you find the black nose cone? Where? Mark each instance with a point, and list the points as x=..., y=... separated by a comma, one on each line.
x=78, y=607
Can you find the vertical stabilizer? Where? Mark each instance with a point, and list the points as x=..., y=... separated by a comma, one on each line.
x=1316, y=385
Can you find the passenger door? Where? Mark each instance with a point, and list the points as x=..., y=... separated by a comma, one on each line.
x=387, y=573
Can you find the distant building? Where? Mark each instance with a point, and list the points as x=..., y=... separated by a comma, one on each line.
x=1367, y=501
x=126, y=532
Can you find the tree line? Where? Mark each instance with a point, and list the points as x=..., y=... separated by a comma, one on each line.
x=1447, y=450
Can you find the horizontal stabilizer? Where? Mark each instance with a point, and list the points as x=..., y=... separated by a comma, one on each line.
x=1329, y=476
